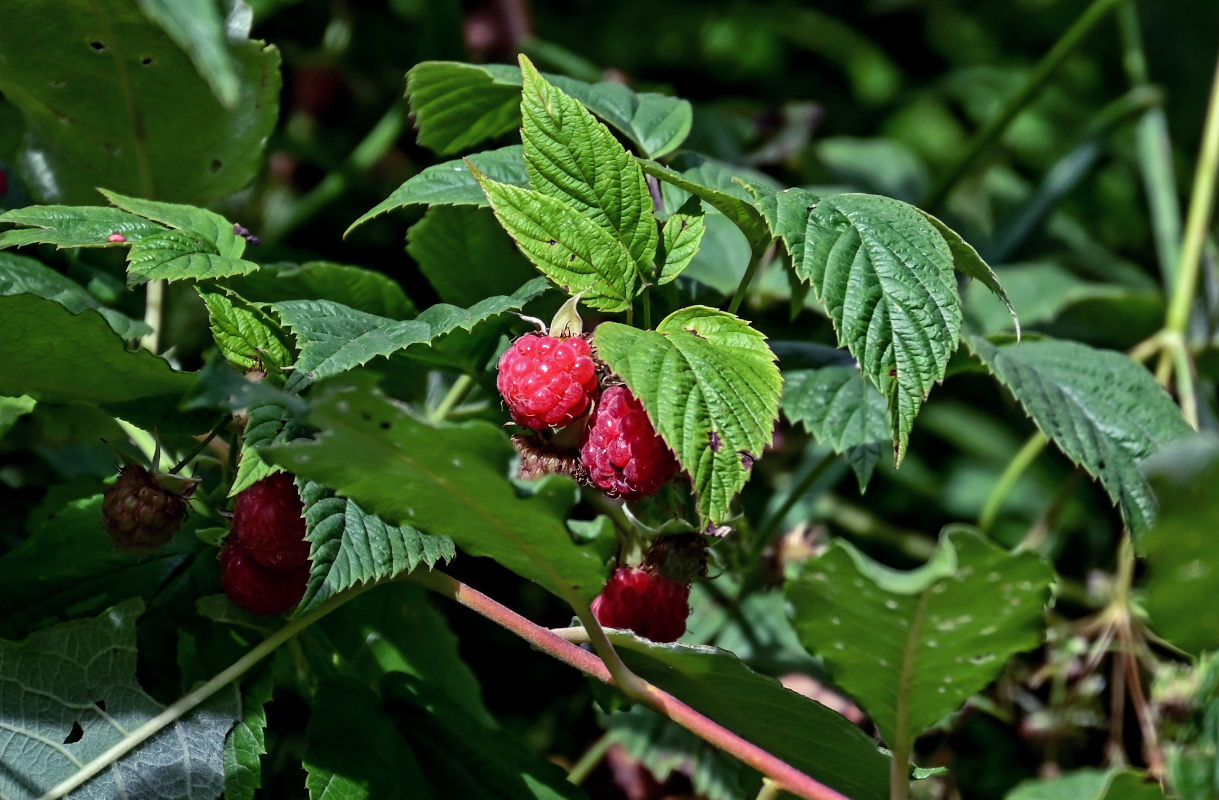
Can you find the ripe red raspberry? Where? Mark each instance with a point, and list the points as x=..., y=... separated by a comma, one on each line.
x=269, y=523
x=138, y=513
x=257, y=588
x=645, y=602
x=624, y=455
x=547, y=382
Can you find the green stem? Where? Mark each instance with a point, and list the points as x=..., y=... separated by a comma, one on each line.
x=456, y=392
x=224, y=420
x=1037, y=81
x=189, y=701
x=647, y=311
x=362, y=158
x=1007, y=481
x=769, y=791
x=768, y=527
x=591, y=758
x=1186, y=394
x=154, y=314
x=755, y=260
x=1201, y=204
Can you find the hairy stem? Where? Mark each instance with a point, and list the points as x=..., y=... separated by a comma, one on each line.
x=1036, y=81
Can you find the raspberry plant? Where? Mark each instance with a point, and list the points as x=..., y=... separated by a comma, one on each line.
x=757, y=322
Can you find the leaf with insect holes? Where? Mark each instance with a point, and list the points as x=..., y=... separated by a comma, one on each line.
x=1103, y=410
x=911, y=647
x=711, y=388
x=577, y=254
x=575, y=159
x=680, y=240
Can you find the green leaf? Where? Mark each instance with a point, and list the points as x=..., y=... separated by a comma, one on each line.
x=574, y=252
x=180, y=255
x=56, y=356
x=75, y=683
x=74, y=226
x=446, y=481
x=213, y=228
x=459, y=105
x=247, y=334
x=353, y=750
x=911, y=647
x=452, y=183
x=20, y=275
x=839, y=407
x=884, y=274
x=1104, y=411
x=109, y=99
x=452, y=247
x=575, y=159
x=802, y=732
x=13, y=409
x=1089, y=784
x=268, y=423
x=198, y=28
x=334, y=338
x=966, y=259
x=733, y=206
x=362, y=289
x=680, y=240
x=247, y=741
x=710, y=386
x=350, y=547
x=1182, y=551
x=1191, y=739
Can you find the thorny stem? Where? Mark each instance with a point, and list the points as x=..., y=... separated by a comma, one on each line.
x=790, y=779
x=1036, y=81
x=456, y=392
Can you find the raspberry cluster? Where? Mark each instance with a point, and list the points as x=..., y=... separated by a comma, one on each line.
x=265, y=561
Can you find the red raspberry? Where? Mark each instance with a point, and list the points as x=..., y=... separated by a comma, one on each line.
x=139, y=513
x=547, y=382
x=269, y=523
x=624, y=455
x=260, y=589
x=645, y=602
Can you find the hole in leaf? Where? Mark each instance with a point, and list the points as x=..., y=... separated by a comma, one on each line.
x=75, y=734
x=57, y=84
x=98, y=46
x=364, y=415
x=101, y=704
x=385, y=426
x=147, y=61
x=216, y=164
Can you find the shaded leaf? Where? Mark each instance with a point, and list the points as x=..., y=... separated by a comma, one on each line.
x=1089, y=784
x=731, y=204
x=20, y=275
x=839, y=407
x=13, y=409
x=247, y=741
x=199, y=29
x=680, y=240
x=267, y=423
x=362, y=289
x=452, y=247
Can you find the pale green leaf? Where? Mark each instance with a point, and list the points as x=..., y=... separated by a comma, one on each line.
x=213, y=228
x=884, y=274
x=710, y=386
x=966, y=259
x=574, y=252
x=452, y=183
x=180, y=255
x=109, y=99
x=352, y=547
x=247, y=334
x=20, y=275
x=839, y=407
x=681, y=238
x=74, y=226
x=575, y=159
x=445, y=481
x=911, y=647
x=802, y=732
x=1103, y=410
x=80, y=677
x=466, y=255
x=334, y=338
x=13, y=409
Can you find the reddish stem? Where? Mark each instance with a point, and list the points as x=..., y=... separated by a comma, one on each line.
x=790, y=778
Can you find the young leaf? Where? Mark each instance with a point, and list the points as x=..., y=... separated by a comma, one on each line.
x=711, y=388
x=575, y=159
x=110, y=100
x=213, y=228
x=452, y=183
x=247, y=334
x=350, y=546
x=680, y=239
x=802, y=732
x=839, y=407
x=334, y=338
x=180, y=255
x=247, y=741
x=577, y=254
x=452, y=247
x=911, y=647
x=742, y=213
x=447, y=481
x=884, y=274
x=74, y=226
x=1103, y=411
x=75, y=683
x=20, y=275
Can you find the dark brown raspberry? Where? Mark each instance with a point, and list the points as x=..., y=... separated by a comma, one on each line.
x=645, y=602
x=547, y=382
x=269, y=523
x=139, y=513
x=257, y=588
x=624, y=455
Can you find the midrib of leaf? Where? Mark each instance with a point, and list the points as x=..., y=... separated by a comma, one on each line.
x=133, y=109
x=901, y=738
